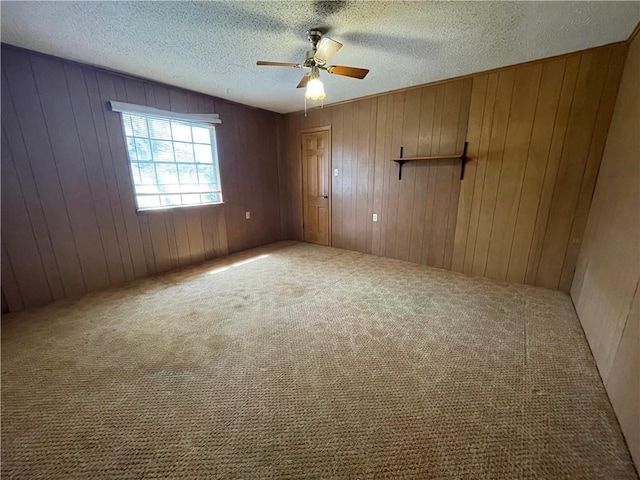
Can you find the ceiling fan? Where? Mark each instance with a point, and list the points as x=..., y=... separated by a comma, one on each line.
x=323, y=48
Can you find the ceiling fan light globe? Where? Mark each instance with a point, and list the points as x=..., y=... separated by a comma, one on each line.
x=315, y=90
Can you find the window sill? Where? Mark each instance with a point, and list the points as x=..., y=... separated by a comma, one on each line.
x=152, y=211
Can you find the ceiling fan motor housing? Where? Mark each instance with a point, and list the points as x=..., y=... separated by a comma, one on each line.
x=314, y=37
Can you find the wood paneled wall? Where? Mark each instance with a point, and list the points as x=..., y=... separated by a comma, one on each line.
x=69, y=222
x=536, y=133
x=536, y=136
x=606, y=289
x=416, y=215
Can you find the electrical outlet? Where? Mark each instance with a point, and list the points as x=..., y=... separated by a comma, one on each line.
x=247, y=215
x=335, y=172
x=375, y=217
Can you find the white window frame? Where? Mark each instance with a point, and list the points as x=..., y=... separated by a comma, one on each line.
x=172, y=191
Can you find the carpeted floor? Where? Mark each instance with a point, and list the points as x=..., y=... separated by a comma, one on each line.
x=299, y=361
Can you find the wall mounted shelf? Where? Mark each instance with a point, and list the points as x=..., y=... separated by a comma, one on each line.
x=402, y=160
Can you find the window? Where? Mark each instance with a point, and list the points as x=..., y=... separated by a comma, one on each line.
x=173, y=162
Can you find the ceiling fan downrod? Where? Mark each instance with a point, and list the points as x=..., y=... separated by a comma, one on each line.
x=314, y=37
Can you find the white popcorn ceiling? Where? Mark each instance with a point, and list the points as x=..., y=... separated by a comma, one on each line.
x=212, y=47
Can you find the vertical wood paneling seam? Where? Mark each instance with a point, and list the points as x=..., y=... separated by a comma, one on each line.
x=614, y=350
x=165, y=219
x=484, y=174
x=584, y=172
x=384, y=170
x=433, y=167
x=53, y=155
x=524, y=171
x=355, y=138
x=546, y=165
x=17, y=284
x=279, y=122
x=186, y=231
x=444, y=95
x=355, y=150
x=475, y=170
x=22, y=199
x=101, y=165
x=386, y=200
x=453, y=180
x=415, y=177
x=103, y=158
x=204, y=243
x=555, y=180
x=438, y=163
x=86, y=175
x=397, y=202
x=115, y=176
x=504, y=144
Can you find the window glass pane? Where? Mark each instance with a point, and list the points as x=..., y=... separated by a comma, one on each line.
x=184, y=152
x=128, y=130
x=208, y=187
x=131, y=147
x=203, y=153
x=147, y=173
x=167, y=173
x=143, y=149
x=190, y=187
x=148, y=188
x=172, y=188
x=190, y=198
x=206, y=174
x=201, y=135
x=139, y=126
x=145, y=201
x=181, y=131
x=162, y=151
x=170, y=199
x=159, y=128
x=187, y=173
x=135, y=172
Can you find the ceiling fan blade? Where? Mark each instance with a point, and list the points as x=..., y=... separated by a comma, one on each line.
x=326, y=49
x=278, y=64
x=304, y=81
x=352, y=72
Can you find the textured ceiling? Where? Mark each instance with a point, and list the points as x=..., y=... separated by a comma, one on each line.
x=212, y=47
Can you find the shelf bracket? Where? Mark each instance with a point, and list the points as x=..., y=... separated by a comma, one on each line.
x=400, y=162
x=463, y=158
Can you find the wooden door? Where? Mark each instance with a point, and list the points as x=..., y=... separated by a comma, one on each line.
x=316, y=185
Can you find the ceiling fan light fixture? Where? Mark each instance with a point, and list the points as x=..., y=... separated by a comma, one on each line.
x=315, y=89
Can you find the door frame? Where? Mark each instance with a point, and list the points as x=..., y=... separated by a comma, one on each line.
x=326, y=128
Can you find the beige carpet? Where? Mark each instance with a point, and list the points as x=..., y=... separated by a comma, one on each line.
x=299, y=361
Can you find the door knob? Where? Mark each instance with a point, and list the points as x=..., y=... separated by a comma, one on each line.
x=325, y=196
